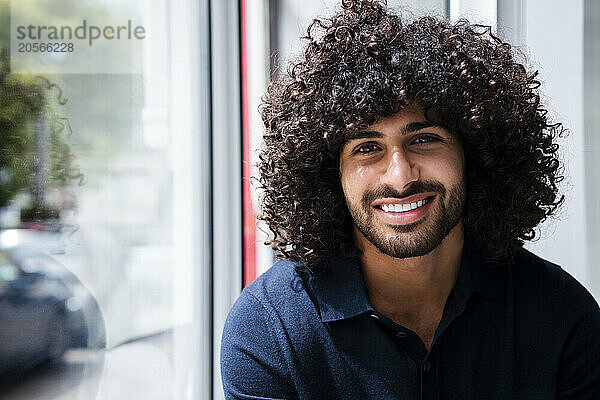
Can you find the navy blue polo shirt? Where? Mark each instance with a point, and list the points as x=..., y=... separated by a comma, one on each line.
x=526, y=331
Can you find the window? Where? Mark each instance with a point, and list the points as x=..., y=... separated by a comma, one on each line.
x=129, y=223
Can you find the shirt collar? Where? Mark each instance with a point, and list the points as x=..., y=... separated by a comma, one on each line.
x=341, y=293
x=340, y=290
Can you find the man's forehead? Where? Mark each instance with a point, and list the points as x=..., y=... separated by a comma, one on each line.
x=377, y=131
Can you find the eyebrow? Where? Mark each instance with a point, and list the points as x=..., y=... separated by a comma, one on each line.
x=410, y=128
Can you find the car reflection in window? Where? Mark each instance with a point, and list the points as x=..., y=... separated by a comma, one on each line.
x=44, y=311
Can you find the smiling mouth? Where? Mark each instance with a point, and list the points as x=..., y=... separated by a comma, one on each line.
x=403, y=207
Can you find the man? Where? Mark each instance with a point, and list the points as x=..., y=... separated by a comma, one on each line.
x=404, y=165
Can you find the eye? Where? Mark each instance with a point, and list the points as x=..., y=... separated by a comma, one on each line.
x=425, y=138
x=366, y=148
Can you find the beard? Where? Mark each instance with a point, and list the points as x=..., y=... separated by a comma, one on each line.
x=417, y=238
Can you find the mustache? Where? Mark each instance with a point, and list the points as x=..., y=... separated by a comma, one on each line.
x=416, y=188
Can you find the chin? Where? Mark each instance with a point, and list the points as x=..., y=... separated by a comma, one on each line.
x=398, y=248
x=418, y=241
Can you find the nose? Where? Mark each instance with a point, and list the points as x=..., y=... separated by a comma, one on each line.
x=400, y=171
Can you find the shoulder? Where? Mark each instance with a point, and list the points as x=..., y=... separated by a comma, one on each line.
x=547, y=283
x=556, y=312
x=277, y=297
x=280, y=287
x=253, y=356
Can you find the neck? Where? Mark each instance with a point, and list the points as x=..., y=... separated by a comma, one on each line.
x=409, y=288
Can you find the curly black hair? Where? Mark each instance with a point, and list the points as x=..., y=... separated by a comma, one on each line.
x=365, y=63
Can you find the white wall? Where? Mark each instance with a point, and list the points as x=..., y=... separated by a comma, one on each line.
x=554, y=40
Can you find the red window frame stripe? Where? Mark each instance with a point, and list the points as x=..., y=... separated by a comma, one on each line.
x=249, y=214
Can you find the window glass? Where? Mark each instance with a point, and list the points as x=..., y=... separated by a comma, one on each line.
x=8, y=271
x=101, y=124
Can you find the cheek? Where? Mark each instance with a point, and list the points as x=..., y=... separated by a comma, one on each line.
x=362, y=172
x=354, y=180
x=459, y=166
x=449, y=167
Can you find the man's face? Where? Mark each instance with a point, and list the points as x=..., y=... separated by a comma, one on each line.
x=403, y=179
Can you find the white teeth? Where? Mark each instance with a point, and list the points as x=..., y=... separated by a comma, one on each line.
x=403, y=207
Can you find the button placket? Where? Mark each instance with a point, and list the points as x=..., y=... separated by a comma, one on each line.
x=426, y=366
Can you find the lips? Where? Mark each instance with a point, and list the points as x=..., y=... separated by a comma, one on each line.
x=404, y=207
x=405, y=211
x=405, y=200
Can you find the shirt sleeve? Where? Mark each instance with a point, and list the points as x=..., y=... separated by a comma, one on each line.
x=579, y=371
x=252, y=366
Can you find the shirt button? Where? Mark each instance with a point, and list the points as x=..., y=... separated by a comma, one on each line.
x=400, y=334
x=426, y=366
x=374, y=316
